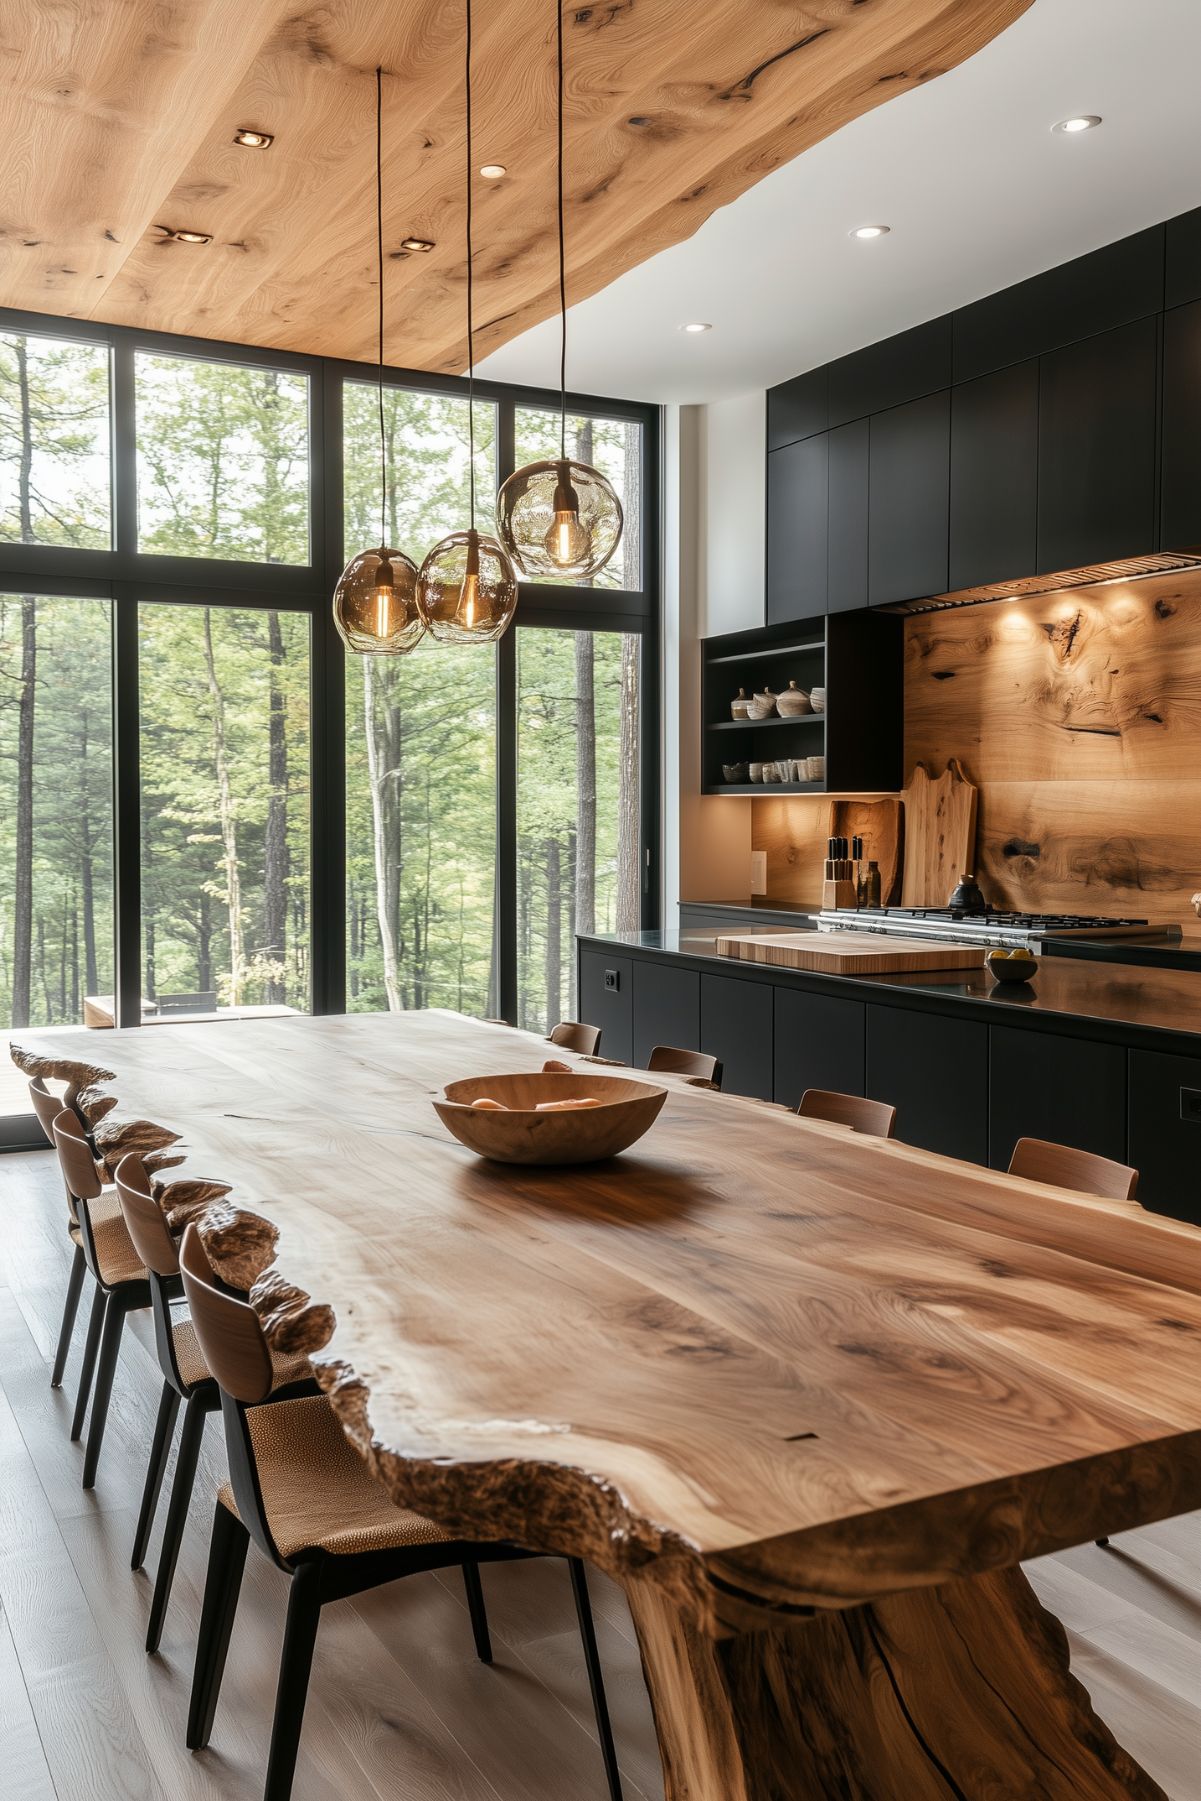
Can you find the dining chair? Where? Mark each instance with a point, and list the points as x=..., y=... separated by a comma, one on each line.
x=1037, y=1160
x=122, y=1286
x=666, y=1060
x=875, y=1119
x=302, y=1493
x=47, y=1107
x=186, y=1379
x=573, y=1036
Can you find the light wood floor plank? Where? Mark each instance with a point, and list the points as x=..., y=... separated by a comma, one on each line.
x=25, y=1770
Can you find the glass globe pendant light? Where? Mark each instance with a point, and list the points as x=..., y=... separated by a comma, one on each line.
x=561, y=519
x=375, y=601
x=467, y=588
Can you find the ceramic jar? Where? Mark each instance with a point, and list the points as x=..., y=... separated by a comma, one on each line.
x=793, y=702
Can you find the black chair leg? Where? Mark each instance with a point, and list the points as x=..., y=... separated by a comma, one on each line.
x=478, y=1612
x=91, y=1345
x=160, y=1450
x=70, y=1309
x=1103, y=1544
x=596, y=1681
x=300, y=1635
x=177, y=1514
x=106, y=1369
x=227, y=1560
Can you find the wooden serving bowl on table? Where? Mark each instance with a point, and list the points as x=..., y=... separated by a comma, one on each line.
x=523, y=1135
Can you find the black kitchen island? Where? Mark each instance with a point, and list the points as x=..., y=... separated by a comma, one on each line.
x=1099, y=1054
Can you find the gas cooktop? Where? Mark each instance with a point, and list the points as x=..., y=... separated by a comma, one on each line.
x=992, y=926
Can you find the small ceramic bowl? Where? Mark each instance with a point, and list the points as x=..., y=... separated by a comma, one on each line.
x=817, y=699
x=738, y=708
x=1011, y=965
x=759, y=709
x=756, y=772
x=736, y=772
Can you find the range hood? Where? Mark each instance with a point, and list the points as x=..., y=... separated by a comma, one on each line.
x=1091, y=575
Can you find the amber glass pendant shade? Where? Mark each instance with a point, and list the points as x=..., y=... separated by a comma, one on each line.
x=375, y=603
x=467, y=590
x=559, y=521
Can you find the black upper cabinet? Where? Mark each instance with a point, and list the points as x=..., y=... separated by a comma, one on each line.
x=796, y=530
x=889, y=373
x=797, y=408
x=994, y=476
x=1182, y=261
x=1180, y=505
x=1094, y=293
x=1096, y=449
x=909, y=476
x=846, y=562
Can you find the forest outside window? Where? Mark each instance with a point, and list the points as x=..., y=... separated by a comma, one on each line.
x=55, y=457
x=56, y=815
x=420, y=730
x=222, y=460
x=579, y=862
x=224, y=731
x=614, y=446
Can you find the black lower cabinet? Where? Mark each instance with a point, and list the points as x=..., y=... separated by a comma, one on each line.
x=606, y=985
x=736, y=1026
x=1165, y=1132
x=819, y=1043
x=1042, y=1085
x=934, y=1071
x=667, y=1009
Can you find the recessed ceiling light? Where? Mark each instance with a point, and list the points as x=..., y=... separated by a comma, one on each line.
x=493, y=171
x=1079, y=122
x=697, y=325
x=871, y=231
x=185, y=237
x=419, y=244
x=251, y=139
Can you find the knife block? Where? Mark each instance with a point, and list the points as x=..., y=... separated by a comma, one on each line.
x=839, y=894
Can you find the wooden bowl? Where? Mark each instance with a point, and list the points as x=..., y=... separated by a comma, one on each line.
x=523, y=1135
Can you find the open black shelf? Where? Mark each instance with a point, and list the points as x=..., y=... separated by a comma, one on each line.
x=855, y=656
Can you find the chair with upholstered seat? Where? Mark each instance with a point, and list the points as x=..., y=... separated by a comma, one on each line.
x=47, y=1107
x=667, y=1060
x=875, y=1119
x=122, y=1286
x=307, y=1499
x=186, y=1378
x=573, y=1036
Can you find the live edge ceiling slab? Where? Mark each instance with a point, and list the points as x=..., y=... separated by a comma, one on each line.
x=810, y=1397
x=118, y=120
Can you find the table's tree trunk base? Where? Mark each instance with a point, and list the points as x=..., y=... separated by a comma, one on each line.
x=960, y=1693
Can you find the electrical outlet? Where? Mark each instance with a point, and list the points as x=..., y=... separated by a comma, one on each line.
x=758, y=872
x=612, y=980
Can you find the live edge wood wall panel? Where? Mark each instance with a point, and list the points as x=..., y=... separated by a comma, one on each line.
x=1078, y=716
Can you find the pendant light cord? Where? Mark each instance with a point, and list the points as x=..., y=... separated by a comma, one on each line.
x=379, y=248
x=470, y=315
x=562, y=252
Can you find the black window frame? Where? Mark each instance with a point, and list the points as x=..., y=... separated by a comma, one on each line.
x=127, y=577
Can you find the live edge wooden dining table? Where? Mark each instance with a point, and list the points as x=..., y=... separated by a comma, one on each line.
x=809, y=1397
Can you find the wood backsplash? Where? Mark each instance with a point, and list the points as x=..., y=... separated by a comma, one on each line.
x=1078, y=716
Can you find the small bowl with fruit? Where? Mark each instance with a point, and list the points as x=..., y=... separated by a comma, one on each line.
x=549, y=1116
x=1011, y=966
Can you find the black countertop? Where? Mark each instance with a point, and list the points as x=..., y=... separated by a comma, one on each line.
x=1116, y=994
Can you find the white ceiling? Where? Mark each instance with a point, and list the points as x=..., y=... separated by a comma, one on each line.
x=978, y=191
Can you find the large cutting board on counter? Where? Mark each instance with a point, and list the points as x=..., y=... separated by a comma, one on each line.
x=848, y=953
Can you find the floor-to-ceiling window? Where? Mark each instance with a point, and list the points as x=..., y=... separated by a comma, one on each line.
x=205, y=803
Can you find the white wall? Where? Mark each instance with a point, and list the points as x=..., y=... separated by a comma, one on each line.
x=713, y=499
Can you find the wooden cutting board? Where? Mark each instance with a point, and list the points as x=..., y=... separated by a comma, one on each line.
x=848, y=953
x=878, y=823
x=940, y=834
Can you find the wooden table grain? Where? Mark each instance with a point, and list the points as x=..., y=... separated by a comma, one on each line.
x=810, y=1397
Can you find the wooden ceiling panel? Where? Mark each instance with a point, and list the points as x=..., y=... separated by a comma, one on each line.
x=119, y=118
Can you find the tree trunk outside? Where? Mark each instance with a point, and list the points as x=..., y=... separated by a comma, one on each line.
x=23, y=873
x=227, y=816
x=585, y=783
x=87, y=876
x=204, y=945
x=275, y=875
x=629, y=836
x=379, y=774
x=554, y=950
